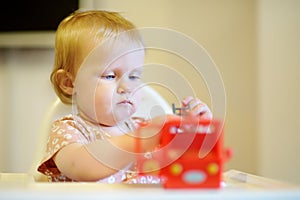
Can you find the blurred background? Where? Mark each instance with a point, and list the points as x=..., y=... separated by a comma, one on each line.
x=254, y=43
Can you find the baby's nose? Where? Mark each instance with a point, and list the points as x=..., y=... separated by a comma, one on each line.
x=123, y=87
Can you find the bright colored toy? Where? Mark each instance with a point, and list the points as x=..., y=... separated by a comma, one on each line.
x=191, y=154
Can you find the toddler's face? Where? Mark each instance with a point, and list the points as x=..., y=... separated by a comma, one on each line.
x=107, y=93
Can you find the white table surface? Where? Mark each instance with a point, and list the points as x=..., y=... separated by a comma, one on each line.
x=237, y=185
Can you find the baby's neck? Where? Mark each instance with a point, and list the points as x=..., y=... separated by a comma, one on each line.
x=119, y=128
x=114, y=130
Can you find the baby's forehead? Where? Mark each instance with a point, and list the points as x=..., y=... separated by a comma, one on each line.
x=127, y=57
x=111, y=54
x=128, y=62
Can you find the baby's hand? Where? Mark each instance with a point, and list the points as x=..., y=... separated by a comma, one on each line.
x=195, y=107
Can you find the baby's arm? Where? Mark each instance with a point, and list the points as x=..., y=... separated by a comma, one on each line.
x=79, y=162
x=83, y=162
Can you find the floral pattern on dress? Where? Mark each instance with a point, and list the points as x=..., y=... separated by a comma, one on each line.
x=72, y=129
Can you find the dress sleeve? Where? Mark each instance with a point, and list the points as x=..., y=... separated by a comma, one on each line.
x=62, y=133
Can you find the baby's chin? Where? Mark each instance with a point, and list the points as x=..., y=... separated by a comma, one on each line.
x=115, y=118
x=123, y=112
x=123, y=117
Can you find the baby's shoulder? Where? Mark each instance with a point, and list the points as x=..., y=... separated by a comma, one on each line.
x=70, y=126
x=70, y=119
x=70, y=123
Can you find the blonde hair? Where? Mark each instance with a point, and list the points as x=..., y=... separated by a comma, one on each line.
x=82, y=31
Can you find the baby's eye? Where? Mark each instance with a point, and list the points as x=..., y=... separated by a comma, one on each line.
x=109, y=77
x=134, y=77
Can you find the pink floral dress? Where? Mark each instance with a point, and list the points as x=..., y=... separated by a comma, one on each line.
x=72, y=129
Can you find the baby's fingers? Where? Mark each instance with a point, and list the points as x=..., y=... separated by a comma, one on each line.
x=198, y=108
x=186, y=101
x=193, y=104
x=205, y=113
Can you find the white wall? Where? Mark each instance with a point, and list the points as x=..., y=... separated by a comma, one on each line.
x=25, y=95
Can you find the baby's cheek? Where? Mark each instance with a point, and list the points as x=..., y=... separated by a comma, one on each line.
x=137, y=99
x=138, y=96
x=103, y=101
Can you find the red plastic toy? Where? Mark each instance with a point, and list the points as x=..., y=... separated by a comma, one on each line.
x=191, y=154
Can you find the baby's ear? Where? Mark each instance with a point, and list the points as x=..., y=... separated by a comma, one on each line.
x=65, y=81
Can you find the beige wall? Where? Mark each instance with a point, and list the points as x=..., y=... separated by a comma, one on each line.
x=279, y=88
x=226, y=29
x=3, y=121
x=255, y=45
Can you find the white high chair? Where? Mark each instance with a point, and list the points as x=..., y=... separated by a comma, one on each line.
x=152, y=104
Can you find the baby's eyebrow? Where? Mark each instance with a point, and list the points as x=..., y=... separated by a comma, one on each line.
x=108, y=72
x=105, y=72
x=138, y=70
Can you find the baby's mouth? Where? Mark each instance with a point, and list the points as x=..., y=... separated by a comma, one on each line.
x=125, y=102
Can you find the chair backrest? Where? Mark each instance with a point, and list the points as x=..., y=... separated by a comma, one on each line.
x=152, y=104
